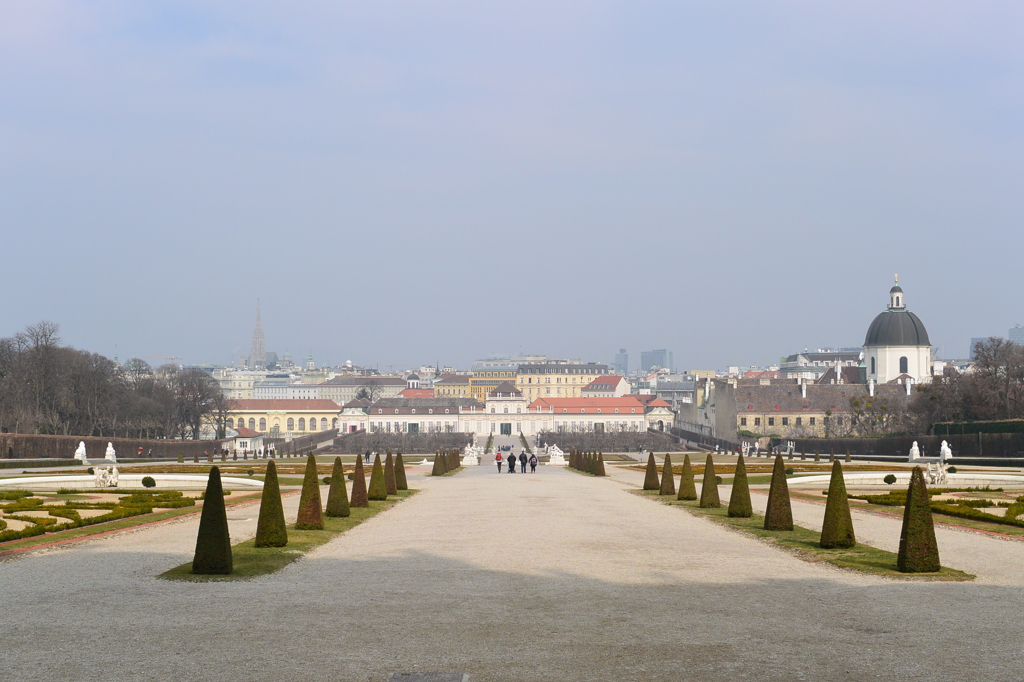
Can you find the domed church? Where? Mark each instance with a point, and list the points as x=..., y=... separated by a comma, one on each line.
x=896, y=347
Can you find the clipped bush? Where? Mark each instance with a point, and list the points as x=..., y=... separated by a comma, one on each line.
x=359, y=498
x=687, y=489
x=337, y=495
x=270, y=527
x=668, y=481
x=311, y=513
x=837, y=528
x=213, y=543
x=889, y=479
x=651, y=481
x=327, y=480
x=739, y=500
x=148, y=482
x=401, y=482
x=90, y=471
x=779, y=514
x=181, y=458
x=951, y=470
x=378, y=490
x=438, y=468
x=390, y=483
x=919, y=553
x=250, y=472
x=790, y=471
x=709, y=487
x=599, y=465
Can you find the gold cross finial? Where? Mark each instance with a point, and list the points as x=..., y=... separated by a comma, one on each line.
x=897, y=278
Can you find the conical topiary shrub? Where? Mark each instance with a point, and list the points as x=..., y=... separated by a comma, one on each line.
x=779, y=514
x=919, y=553
x=837, y=528
x=436, y=470
x=668, y=481
x=651, y=478
x=311, y=512
x=739, y=500
x=378, y=489
x=270, y=528
x=599, y=467
x=213, y=544
x=817, y=456
x=848, y=459
x=687, y=489
x=337, y=494
x=359, y=498
x=401, y=482
x=709, y=488
x=390, y=484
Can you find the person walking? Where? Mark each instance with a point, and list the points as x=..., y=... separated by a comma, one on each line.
x=366, y=457
x=522, y=462
x=533, y=464
x=498, y=460
x=511, y=462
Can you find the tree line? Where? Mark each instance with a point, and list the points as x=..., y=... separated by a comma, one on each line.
x=48, y=388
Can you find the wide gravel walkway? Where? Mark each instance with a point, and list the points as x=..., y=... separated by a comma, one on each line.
x=547, y=576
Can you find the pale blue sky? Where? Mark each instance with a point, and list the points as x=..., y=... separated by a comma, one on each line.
x=408, y=182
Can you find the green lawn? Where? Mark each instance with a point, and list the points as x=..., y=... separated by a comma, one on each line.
x=250, y=561
x=120, y=524
x=803, y=543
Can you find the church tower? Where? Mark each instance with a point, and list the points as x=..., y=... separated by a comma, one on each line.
x=896, y=347
x=258, y=352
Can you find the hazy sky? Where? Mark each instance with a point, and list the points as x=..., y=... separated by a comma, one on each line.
x=405, y=183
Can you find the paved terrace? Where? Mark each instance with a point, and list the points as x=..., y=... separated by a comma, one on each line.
x=547, y=576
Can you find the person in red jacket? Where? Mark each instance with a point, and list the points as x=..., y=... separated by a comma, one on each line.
x=498, y=460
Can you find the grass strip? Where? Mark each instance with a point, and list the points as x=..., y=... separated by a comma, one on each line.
x=250, y=561
x=449, y=473
x=60, y=537
x=803, y=543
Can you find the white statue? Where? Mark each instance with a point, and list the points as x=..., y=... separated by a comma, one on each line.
x=944, y=452
x=113, y=477
x=557, y=457
x=80, y=453
x=111, y=456
x=100, y=478
x=915, y=452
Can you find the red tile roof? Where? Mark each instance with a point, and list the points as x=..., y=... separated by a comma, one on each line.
x=590, y=405
x=284, y=405
x=417, y=393
x=247, y=433
x=611, y=381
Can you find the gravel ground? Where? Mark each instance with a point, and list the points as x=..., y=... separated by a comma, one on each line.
x=552, y=576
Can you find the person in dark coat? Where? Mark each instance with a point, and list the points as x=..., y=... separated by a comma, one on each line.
x=533, y=464
x=511, y=462
x=522, y=462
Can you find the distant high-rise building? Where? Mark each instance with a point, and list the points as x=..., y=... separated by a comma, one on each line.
x=974, y=342
x=1016, y=334
x=622, y=362
x=655, y=358
x=258, y=352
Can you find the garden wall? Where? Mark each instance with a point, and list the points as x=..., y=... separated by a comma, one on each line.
x=32, y=446
x=986, y=445
x=421, y=443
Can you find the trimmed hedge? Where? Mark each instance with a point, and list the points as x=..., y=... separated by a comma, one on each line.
x=668, y=482
x=919, y=552
x=837, y=528
x=709, y=487
x=311, y=513
x=271, y=530
x=687, y=488
x=779, y=513
x=213, y=543
x=337, y=495
x=739, y=500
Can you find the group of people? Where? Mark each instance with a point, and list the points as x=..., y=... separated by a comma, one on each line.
x=523, y=461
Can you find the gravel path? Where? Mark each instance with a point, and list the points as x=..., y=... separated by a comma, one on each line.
x=552, y=576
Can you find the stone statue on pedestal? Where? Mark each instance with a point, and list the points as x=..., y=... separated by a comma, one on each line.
x=111, y=456
x=915, y=452
x=80, y=453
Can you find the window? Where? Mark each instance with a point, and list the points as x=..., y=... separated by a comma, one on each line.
x=616, y=410
x=413, y=411
x=291, y=423
x=785, y=421
x=396, y=410
x=633, y=410
x=323, y=423
x=903, y=365
x=263, y=424
x=873, y=366
x=743, y=421
x=757, y=421
x=230, y=423
x=771, y=421
x=813, y=421
x=799, y=421
x=380, y=411
x=430, y=411
x=446, y=410
x=302, y=424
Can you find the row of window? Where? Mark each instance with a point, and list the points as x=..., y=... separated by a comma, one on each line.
x=785, y=421
x=290, y=424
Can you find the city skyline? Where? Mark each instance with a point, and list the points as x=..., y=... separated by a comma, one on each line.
x=374, y=177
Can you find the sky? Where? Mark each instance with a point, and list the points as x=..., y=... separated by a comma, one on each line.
x=404, y=183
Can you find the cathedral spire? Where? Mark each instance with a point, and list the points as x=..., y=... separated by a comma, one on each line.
x=258, y=352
